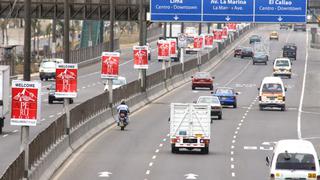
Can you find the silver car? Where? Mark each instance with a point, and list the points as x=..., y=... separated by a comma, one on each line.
x=214, y=102
x=260, y=57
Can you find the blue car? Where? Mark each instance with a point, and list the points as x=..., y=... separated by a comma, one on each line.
x=227, y=96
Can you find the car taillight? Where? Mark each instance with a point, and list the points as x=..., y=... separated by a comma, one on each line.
x=205, y=141
x=175, y=140
x=284, y=98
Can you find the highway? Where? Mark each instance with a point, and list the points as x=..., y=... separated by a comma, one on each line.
x=240, y=141
x=90, y=84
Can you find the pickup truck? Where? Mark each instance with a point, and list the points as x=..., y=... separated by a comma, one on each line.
x=190, y=127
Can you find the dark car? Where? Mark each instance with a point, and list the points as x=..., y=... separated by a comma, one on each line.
x=52, y=97
x=297, y=27
x=254, y=39
x=247, y=52
x=227, y=96
x=284, y=26
x=237, y=51
x=202, y=79
x=290, y=51
x=260, y=57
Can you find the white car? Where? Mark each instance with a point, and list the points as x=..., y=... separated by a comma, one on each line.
x=294, y=159
x=47, y=68
x=116, y=83
x=282, y=67
x=214, y=102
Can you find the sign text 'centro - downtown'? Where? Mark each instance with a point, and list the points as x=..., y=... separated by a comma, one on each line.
x=229, y=10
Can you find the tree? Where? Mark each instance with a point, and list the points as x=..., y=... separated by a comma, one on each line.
x=3, y=26
x=48, y=33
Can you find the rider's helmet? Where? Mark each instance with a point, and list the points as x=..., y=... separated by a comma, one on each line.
x=123, y=102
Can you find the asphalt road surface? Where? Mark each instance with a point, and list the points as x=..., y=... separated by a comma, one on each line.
x=240, y=141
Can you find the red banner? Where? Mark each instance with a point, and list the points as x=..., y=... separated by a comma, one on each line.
x=225, y=33
x=232, y=27
x=26, y=103
x=66, y=80
x=198, y=42
x=173, y=48
x=110, y=64
x=217, y=35
x=140, y=54
x=163, y=50
x=208, y=41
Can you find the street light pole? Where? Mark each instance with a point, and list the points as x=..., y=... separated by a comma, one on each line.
x=112, y=17
x=24, y=146
x=66, y=57
x=142, y=41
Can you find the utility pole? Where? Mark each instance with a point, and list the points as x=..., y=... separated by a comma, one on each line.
x=182, y=27
x=24, y=146
x=170, y=29
x=200, y=28
x=164, y=30
x=209, y=24
x=66, y=57
x=112, y=17
x=142, y=41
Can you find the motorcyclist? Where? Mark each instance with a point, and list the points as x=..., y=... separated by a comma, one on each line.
x=123, y=108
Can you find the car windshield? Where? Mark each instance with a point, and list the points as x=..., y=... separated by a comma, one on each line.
x=282, y=63
x=254, y=37
x=259, y=54
x=208, y=100
x=288, y=48
x=203, y=75
x=48, y=64
x=295, y=161
x=224, y=91
x=118, y=81
x=272, y=87
x=247, y=49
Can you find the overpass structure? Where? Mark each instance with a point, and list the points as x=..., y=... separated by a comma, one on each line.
x=314, y=4
x=125, y=10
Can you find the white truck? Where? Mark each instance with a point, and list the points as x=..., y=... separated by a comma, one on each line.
x=190, y=127
x=4, y=93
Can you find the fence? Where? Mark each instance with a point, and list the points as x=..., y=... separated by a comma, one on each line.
x=86, y=112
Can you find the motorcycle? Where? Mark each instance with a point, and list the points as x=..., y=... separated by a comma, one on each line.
x=122, y=120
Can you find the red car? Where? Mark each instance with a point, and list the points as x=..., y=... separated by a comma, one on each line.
x=202, y=79
x=237, y=51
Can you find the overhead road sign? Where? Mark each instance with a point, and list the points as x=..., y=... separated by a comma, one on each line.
x=264, y=11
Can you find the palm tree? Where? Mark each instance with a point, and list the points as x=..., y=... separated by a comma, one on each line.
x=36, y=26
x=3, y=26
x=48, y=33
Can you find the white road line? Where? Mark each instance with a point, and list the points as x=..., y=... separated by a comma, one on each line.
x=250, y=147
x=164, y=140
x=234, y=137
x=161, y=145
x=148, y=172
x=154, y=157
x=232, y=166
x=231, y=159
x=241, y=120
x=238, y=128
x=303, y=89
x=240, y=124
x=83, y=87
x=231, y=152
x=43, y=119
x=157, y=151
x=150, y=164
x=266, y=149
x=233, y=174
x=5, y=135
x=14, y=131
x=232, y=147
x=233, y=141
x=236, y=132
x=51, y=116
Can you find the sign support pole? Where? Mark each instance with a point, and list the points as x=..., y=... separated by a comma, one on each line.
x=182, y=59
x=199, y=60
x=66, y=110
x=110, y=92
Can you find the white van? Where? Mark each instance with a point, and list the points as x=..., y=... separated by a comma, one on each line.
x=294, y=159
x=282, y=67
x=47, y=68
x=272, y=93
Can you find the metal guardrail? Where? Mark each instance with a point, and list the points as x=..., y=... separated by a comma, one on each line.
x=51, y=136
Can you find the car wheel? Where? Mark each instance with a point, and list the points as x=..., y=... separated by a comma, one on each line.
x=47, y=79
x=41, y=79
x=220, y=117
x=174, y=149
x=266, y=63
x=205, y=150
x=193, y=88
x=235, y=105
x=70, y=101
x=289, y=76
x=261, y=108
x=241, y=57
x=211, y=88
x=50, y=101
x=253, y=63
x=283, y=108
